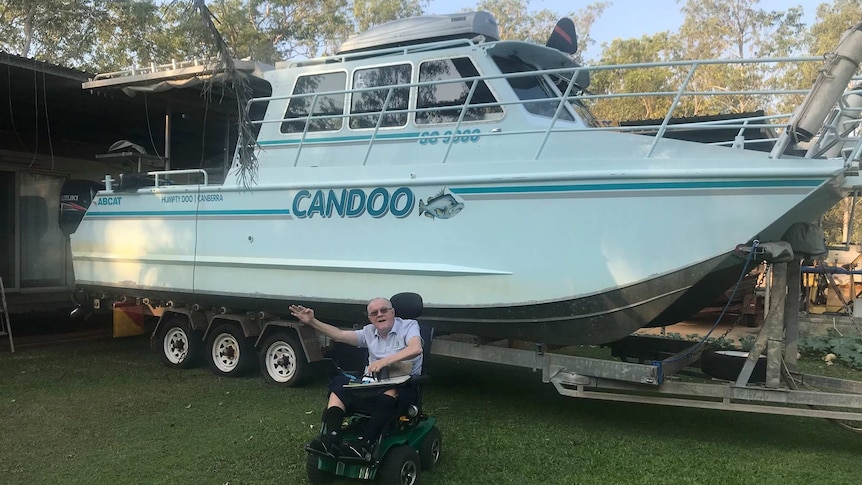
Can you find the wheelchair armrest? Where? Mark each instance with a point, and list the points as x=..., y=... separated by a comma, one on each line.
x=420, y=379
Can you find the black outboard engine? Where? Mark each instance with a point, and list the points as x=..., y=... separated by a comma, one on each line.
x=564, y=38
x=75, y=197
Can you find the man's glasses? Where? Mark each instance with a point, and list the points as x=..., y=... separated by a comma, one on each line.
x=382, y=311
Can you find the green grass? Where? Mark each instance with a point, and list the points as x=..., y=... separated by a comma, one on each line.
x=109, y=412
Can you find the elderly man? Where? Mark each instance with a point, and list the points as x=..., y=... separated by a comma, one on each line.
x=389, y=340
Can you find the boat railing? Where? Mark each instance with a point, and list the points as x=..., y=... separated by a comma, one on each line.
x=399, y=50
x=155, y=68
x=161, y=176
x=572, y=102
x=841, y=131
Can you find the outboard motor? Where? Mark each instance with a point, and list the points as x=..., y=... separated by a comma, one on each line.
x=564, y=38
x=75, y=197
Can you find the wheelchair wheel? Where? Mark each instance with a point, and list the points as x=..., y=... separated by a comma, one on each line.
x=400, y=466
x=430, y=448
x=316, y=476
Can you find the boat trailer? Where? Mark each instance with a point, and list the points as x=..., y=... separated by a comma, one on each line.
x=785, y=391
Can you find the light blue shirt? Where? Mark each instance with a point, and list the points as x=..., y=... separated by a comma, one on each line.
x=379, y=347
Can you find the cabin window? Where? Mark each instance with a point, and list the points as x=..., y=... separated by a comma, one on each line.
x=531, y=88
x=375, y=101
x=321, y=105
x=450, y=93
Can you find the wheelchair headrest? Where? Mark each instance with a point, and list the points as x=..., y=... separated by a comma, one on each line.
x=407, y=305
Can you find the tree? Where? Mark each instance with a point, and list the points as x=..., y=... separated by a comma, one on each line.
x=262, y=30
x=831, y=22
x=647, y=49
x=56, y=31
x=736, y=29
x=368, y=13
x=127, y=35
x=712, y=29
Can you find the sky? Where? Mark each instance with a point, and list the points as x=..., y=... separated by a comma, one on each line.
x=626, y=18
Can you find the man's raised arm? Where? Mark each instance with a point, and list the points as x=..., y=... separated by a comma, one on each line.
x=306, y=316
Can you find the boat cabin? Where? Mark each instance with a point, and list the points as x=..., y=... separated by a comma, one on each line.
x=439, y=81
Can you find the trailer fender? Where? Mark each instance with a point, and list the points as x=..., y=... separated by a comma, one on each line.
x=197, y=319
x=250, y=327
x=306, y=335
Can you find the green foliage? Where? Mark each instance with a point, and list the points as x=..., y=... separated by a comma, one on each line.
x=57, y=31
x=847, y=349
x=833, y=19
x=103, y=35
x=265, y=30
x=654, y=48
x=368, y=13
x=745, y=343
x=711, y=30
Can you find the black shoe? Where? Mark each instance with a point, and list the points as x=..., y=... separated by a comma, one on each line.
x=326, y=444
x=356, y=449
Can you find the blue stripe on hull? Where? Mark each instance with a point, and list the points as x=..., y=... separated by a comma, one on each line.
x=712, y=187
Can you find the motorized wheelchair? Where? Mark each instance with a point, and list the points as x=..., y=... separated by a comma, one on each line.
x=410, y=443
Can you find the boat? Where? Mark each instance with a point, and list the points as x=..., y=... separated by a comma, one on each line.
x=428, y=156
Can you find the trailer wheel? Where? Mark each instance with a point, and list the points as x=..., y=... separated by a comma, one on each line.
x=727, y=364
x=430, y=449
x=181, y=346
x=231, y=353
x=316, y=476
x=282, y=360
x=400, y=466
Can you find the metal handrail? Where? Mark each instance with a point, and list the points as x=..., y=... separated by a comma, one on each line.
x=555, y=124
x=179, y=172
x=156, y=68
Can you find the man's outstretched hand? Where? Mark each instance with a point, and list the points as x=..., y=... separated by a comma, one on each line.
x=304, y=315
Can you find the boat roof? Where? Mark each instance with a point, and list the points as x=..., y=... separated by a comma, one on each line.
x=157, y=78
x=424, y=29
x=540, y=56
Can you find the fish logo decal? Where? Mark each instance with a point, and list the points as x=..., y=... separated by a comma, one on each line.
x=444, y=205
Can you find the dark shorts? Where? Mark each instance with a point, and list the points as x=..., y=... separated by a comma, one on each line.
x=364, y=399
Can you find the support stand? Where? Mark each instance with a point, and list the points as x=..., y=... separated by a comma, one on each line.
x=770, y=335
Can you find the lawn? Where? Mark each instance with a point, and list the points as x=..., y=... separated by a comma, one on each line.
x=108, y=412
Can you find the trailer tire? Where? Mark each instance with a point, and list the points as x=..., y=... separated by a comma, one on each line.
x=316, y=476
x=231, y=353
x=282, y=361
x=727, y=364
x=181, y=346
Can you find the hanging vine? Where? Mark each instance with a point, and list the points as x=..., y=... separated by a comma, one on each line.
x=232, y=80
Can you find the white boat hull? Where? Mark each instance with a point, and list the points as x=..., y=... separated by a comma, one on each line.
x=592, y=266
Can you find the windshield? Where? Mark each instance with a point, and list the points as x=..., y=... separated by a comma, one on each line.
x=529, y=88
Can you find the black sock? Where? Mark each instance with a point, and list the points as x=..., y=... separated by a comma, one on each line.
x=332, y=418
x=384, y=411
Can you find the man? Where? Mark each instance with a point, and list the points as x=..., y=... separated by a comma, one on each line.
x=389, y=340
